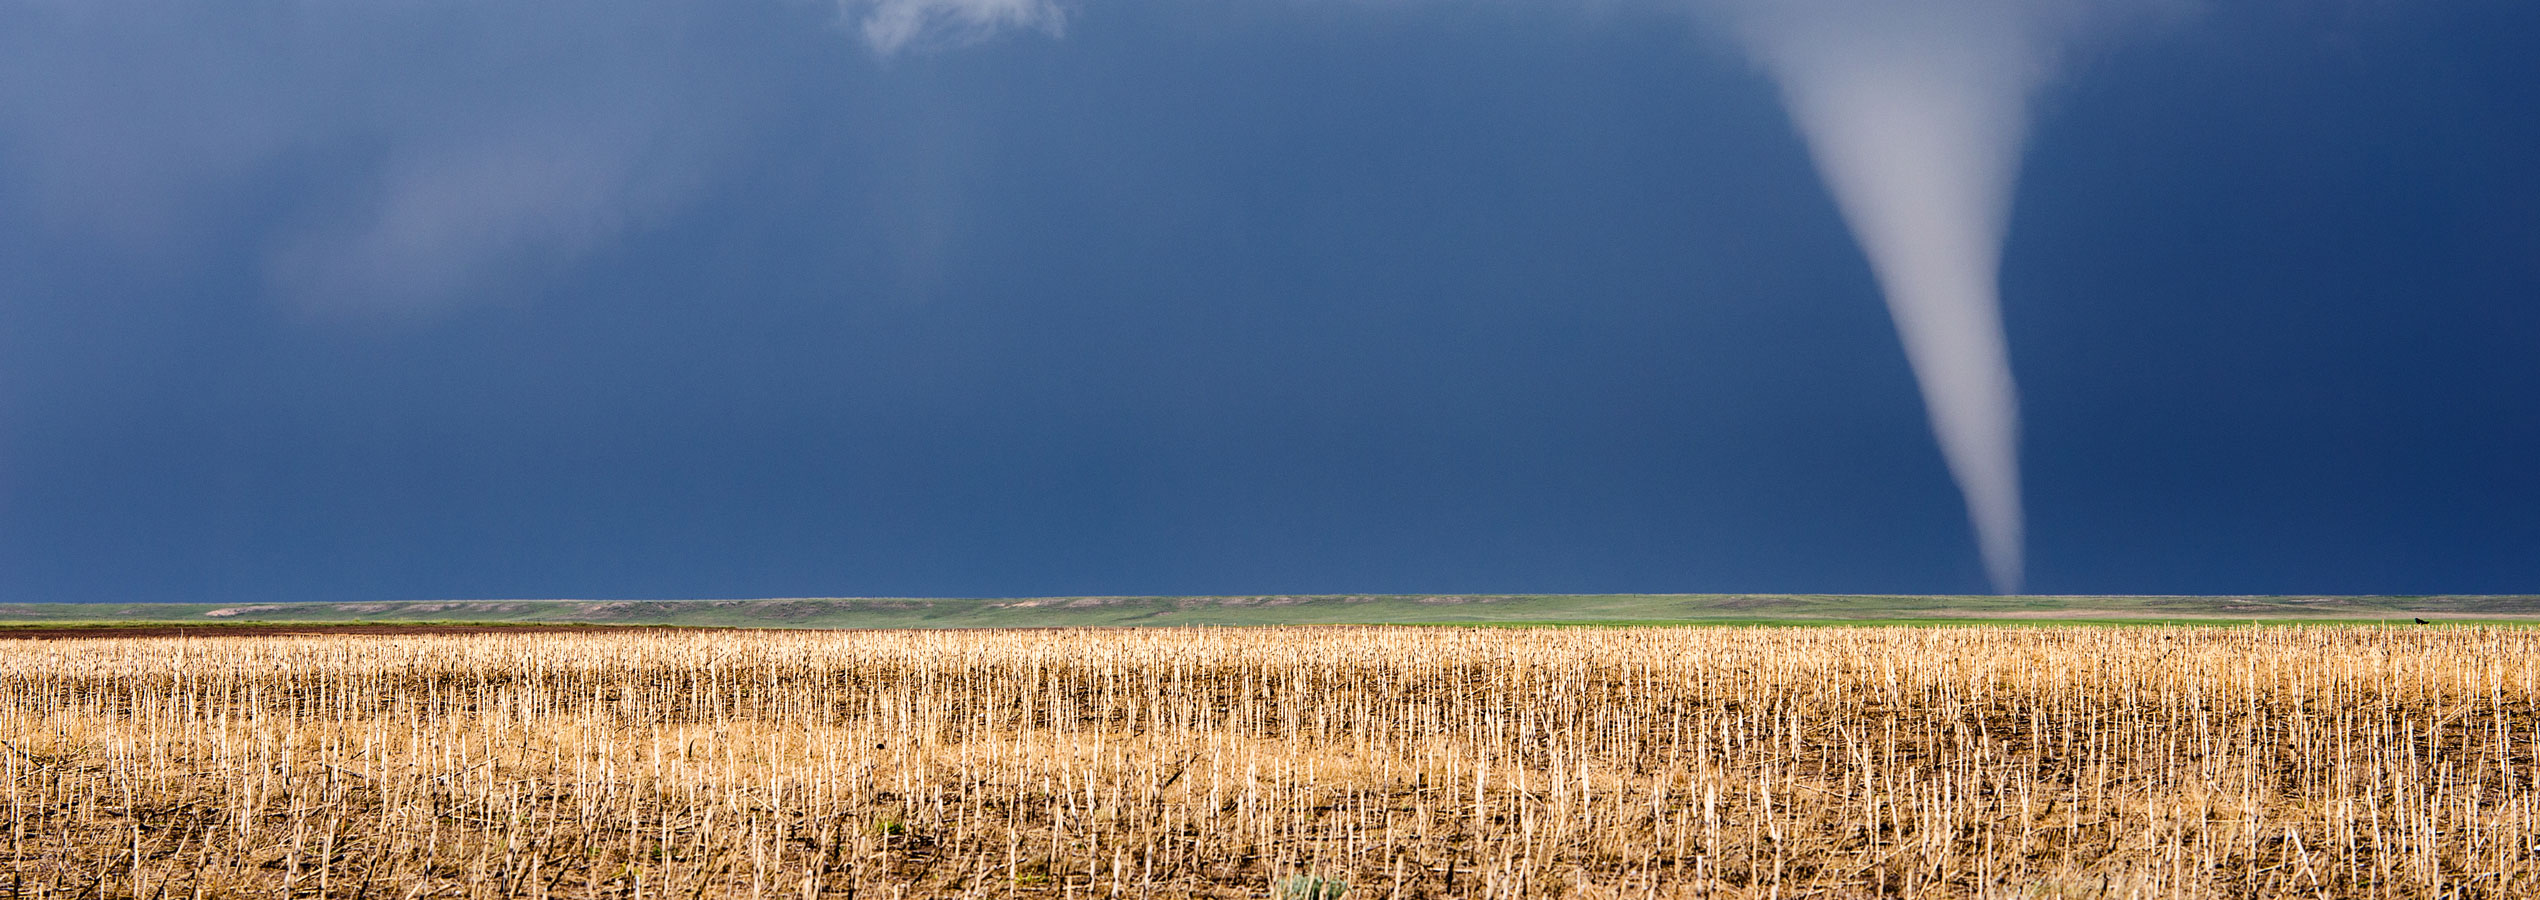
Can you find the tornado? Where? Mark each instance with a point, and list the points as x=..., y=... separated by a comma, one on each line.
x=1914, y=112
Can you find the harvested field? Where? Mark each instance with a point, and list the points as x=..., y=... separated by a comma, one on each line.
x=1668, y=762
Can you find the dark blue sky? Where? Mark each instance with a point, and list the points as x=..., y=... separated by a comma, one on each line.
x=674, y=298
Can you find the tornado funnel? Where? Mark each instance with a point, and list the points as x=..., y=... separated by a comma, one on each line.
x=1914, y=113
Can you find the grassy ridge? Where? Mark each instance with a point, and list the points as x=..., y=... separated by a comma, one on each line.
x=1614, y=609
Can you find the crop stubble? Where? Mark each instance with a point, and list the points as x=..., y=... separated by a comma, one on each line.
x=1640, y=762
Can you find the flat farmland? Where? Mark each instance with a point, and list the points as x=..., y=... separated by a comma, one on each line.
x=1931, y=761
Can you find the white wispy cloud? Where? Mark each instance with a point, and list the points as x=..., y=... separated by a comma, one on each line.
x=889, y=26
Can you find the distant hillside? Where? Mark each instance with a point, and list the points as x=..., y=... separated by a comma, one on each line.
x=1305, y=610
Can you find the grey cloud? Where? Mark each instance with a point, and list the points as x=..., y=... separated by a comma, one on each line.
x=449, y=147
